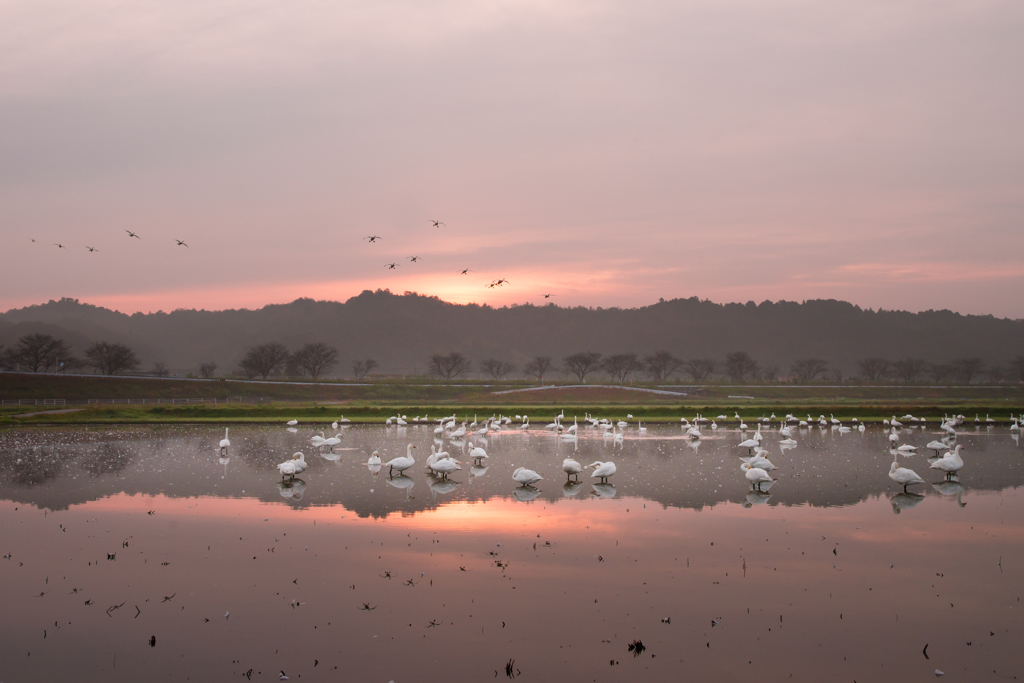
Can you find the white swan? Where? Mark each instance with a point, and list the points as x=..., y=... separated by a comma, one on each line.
x=526, y=477
x=894, y=438
x=300, y=462
x=401, y=463
x=317, y=439
x=755, y=475
x=907, y=448
x=761, y=462
x=374, y=459
x=602, y=470
x=332, y=441
x=445, y=466
x=788, y=442
x=749, y=444
x=526, y=422
x=478, y=455
x=903, y=476
x=292, y=423
x=225, y=443
x=950, y=463
x=571, y=468
x=643, y=430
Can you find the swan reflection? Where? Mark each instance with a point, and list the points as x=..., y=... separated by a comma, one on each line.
x=756, y=498
x=603, y=490
x=443, y=486
x=525, y=494
x=571, y=488
x=402, y=481
x=904, y=501
x=291, y=489
x=951, y=488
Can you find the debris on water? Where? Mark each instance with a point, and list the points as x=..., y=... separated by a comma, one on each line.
x=152, y=641
x=637, y=648
x=667, y=620
x=939, y=673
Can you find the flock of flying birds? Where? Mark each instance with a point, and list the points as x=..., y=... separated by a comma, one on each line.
x=500, y=282
x=181, y=243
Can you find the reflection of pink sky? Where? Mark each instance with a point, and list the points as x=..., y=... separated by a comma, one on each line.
x=500, y=516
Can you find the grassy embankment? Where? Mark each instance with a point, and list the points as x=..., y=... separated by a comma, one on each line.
x=324, y=401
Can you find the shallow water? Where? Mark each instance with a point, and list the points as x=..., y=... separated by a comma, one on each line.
x=113, y=536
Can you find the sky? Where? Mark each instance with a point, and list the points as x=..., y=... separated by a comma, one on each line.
x=606, y=153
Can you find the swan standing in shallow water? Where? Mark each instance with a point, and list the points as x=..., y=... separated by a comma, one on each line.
x=950, y=463
x=374, y=459
x=478, y=455
x=445, y=466
x=401, y=463
x=292, y=423
x=602, y=470
x=224, y=443
x=904, y=476
x=755, y=475
x=289, y=468
x=571, y=468
x=526, y=477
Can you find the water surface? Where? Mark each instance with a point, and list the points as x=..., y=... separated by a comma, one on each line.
x=114, y=536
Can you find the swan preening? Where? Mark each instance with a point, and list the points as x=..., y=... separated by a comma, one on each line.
x=526, y=477
x=602, y=470
x=289, y=468
x=755, y=475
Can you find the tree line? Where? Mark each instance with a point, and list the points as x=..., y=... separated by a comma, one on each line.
x=45, y=353
x=737, y=366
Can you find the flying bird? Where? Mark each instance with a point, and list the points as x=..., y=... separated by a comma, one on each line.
x=498, y=283
x=548, y=296
x=180, y=243
x=414, y=259
x=132, y=234
x=391, y=266
x=91, y=248
x=437, y=224
x=59, y=246
x=32, y=239
x=463, y=272
x=372, y=238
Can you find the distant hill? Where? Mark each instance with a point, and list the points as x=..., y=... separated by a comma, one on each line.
x=402, y=331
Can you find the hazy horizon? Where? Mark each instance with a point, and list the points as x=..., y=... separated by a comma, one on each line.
x=342, y=300
x=608, y=153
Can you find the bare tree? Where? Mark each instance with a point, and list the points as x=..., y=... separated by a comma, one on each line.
x=873, y=369
x=264, y=359
x=361, y=368
x=837, y=375
x=700, y=369
x=582, y=364
x=940, y=372
x=966, y=369
x=1017, y=367
x=619, y=365
x=207, y=370
x=808, y=369
x=661, y=365
x=995, y=375
x=739, y=365
x=160, y=370
x=38, y=353
x=771, y=373
x=497, y=369
x=316, y=359
x=538, y=367
x=448, y=366
x=110, y=359
x=907, y=370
